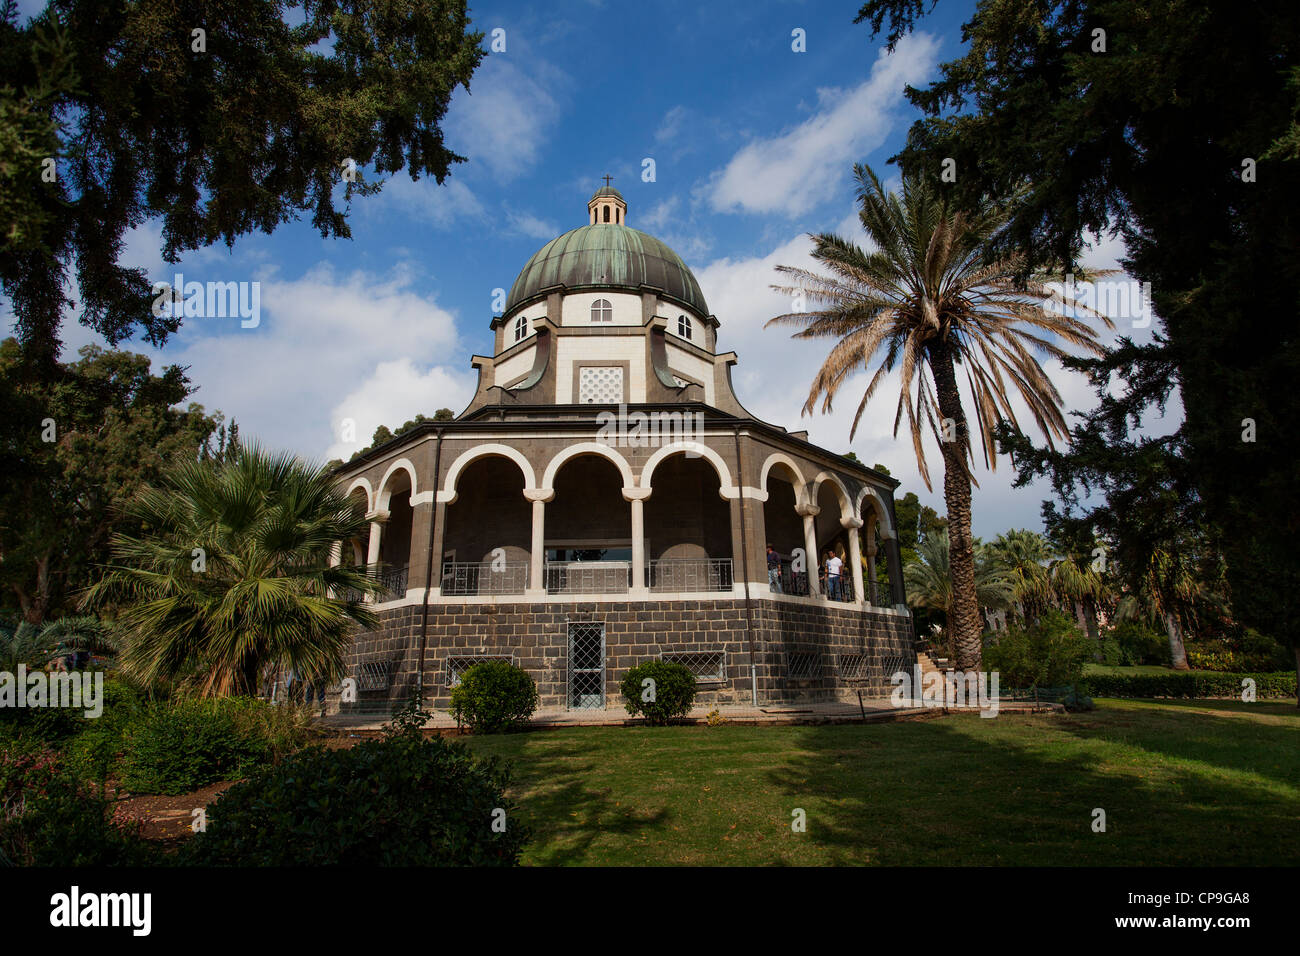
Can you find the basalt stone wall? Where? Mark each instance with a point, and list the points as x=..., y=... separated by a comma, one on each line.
x=803, y=651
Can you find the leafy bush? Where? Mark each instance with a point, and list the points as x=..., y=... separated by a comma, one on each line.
x=93, y=753
x=1109, y=652
x=49, y=818
x=1050, y=652
x=493, y=697
x=1246, y=650
x=186, y=744
x=398, y=801
x=673, y=691
x=1140, y=643
x=1191, y=684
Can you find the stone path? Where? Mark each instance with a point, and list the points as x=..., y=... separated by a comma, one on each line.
x=876, y=710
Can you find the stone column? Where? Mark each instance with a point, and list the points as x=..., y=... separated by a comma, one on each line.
x=537, y=552
x=421, y=545
x=873, y=586
x=809, y=514
x=637, y=497
x=854, y=557
x=336, y=554
x=898, y=592
x=376, y=519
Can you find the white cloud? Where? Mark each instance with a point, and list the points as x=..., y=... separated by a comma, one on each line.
x=526, y=224
x=506, y=120
x=795, y=171
x=659, y=215
x=671, y=124
x=395, y=392
x=325, y=339
x=426, y=201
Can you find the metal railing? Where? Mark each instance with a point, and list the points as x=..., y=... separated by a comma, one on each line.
x=588, y=577
x=393, y=583
x=689, y=574
x=471, y=577
x=838, y=588
x=790, y=582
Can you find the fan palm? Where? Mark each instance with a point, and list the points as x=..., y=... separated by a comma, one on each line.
x=931, y=299
x=233, y=575
x=928, y=578
x=1025, y=556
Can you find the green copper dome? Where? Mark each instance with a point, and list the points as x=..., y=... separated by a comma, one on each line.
x=606, y=256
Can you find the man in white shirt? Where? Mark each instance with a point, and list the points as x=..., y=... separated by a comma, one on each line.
x=834, y=568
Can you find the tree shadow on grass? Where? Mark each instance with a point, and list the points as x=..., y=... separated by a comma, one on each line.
x=1022, y=791
x=562, y=795
x=1223, y=733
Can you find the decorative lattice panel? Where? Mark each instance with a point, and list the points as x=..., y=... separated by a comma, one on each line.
x=705, y=665
x=600, y=384
x=586, y=665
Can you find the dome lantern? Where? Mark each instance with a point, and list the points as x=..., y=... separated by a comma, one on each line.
x=606, y=207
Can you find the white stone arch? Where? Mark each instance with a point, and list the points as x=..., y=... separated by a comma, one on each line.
x=800, y=486
x=726, y=488
x=364, y=485
x=878, y=503
x=448, y=493
x=382, y=496
x=588, y=448
x=846, y=499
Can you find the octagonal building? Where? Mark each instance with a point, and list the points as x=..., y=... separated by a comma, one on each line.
x=605, y=499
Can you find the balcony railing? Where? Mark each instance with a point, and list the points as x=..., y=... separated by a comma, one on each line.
x=588, y=577
x=689, y=574
x=838, y=588
x=789, y=582
x=393, y=583
x=471, y=577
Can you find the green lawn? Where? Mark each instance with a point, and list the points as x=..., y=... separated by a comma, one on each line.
x=1182, y=782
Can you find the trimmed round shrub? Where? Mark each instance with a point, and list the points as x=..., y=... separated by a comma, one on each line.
x=669, y=695
x=493, y=697
x=398, y=801
x=180, y=746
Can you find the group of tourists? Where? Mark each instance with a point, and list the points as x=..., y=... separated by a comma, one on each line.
x=831, y=572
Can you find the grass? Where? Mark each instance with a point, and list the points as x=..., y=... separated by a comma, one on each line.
x=1182, y=782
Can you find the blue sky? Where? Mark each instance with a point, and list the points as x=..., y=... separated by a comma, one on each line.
x=752, y=144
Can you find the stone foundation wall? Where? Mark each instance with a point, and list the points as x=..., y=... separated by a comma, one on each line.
x=536, y=636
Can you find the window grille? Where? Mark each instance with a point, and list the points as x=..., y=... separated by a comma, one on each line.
x=803, y=666
x=707, y=666
x=457, y=666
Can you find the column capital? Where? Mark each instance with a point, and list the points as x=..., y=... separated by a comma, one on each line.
x=807, y=511
x=539, y=494
x=636, y=494
x=851, y=523
x=377, y=517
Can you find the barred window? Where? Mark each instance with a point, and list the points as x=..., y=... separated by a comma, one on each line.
x=853, y=666
x=457, y=666
x=707, y=666
x=803, y=665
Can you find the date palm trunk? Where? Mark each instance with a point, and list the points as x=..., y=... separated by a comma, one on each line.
x=964, y=621
x=1177, y=650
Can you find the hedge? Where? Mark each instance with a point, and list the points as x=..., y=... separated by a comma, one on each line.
x=1188, y=684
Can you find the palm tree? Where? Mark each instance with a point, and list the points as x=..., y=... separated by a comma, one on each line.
x=1172, y=591
x=1076, y=581
x=1025, y=556
x=928, y=578
x=233, y=575
x=930, y=298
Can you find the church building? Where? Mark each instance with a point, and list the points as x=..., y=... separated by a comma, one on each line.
x=606, y=499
